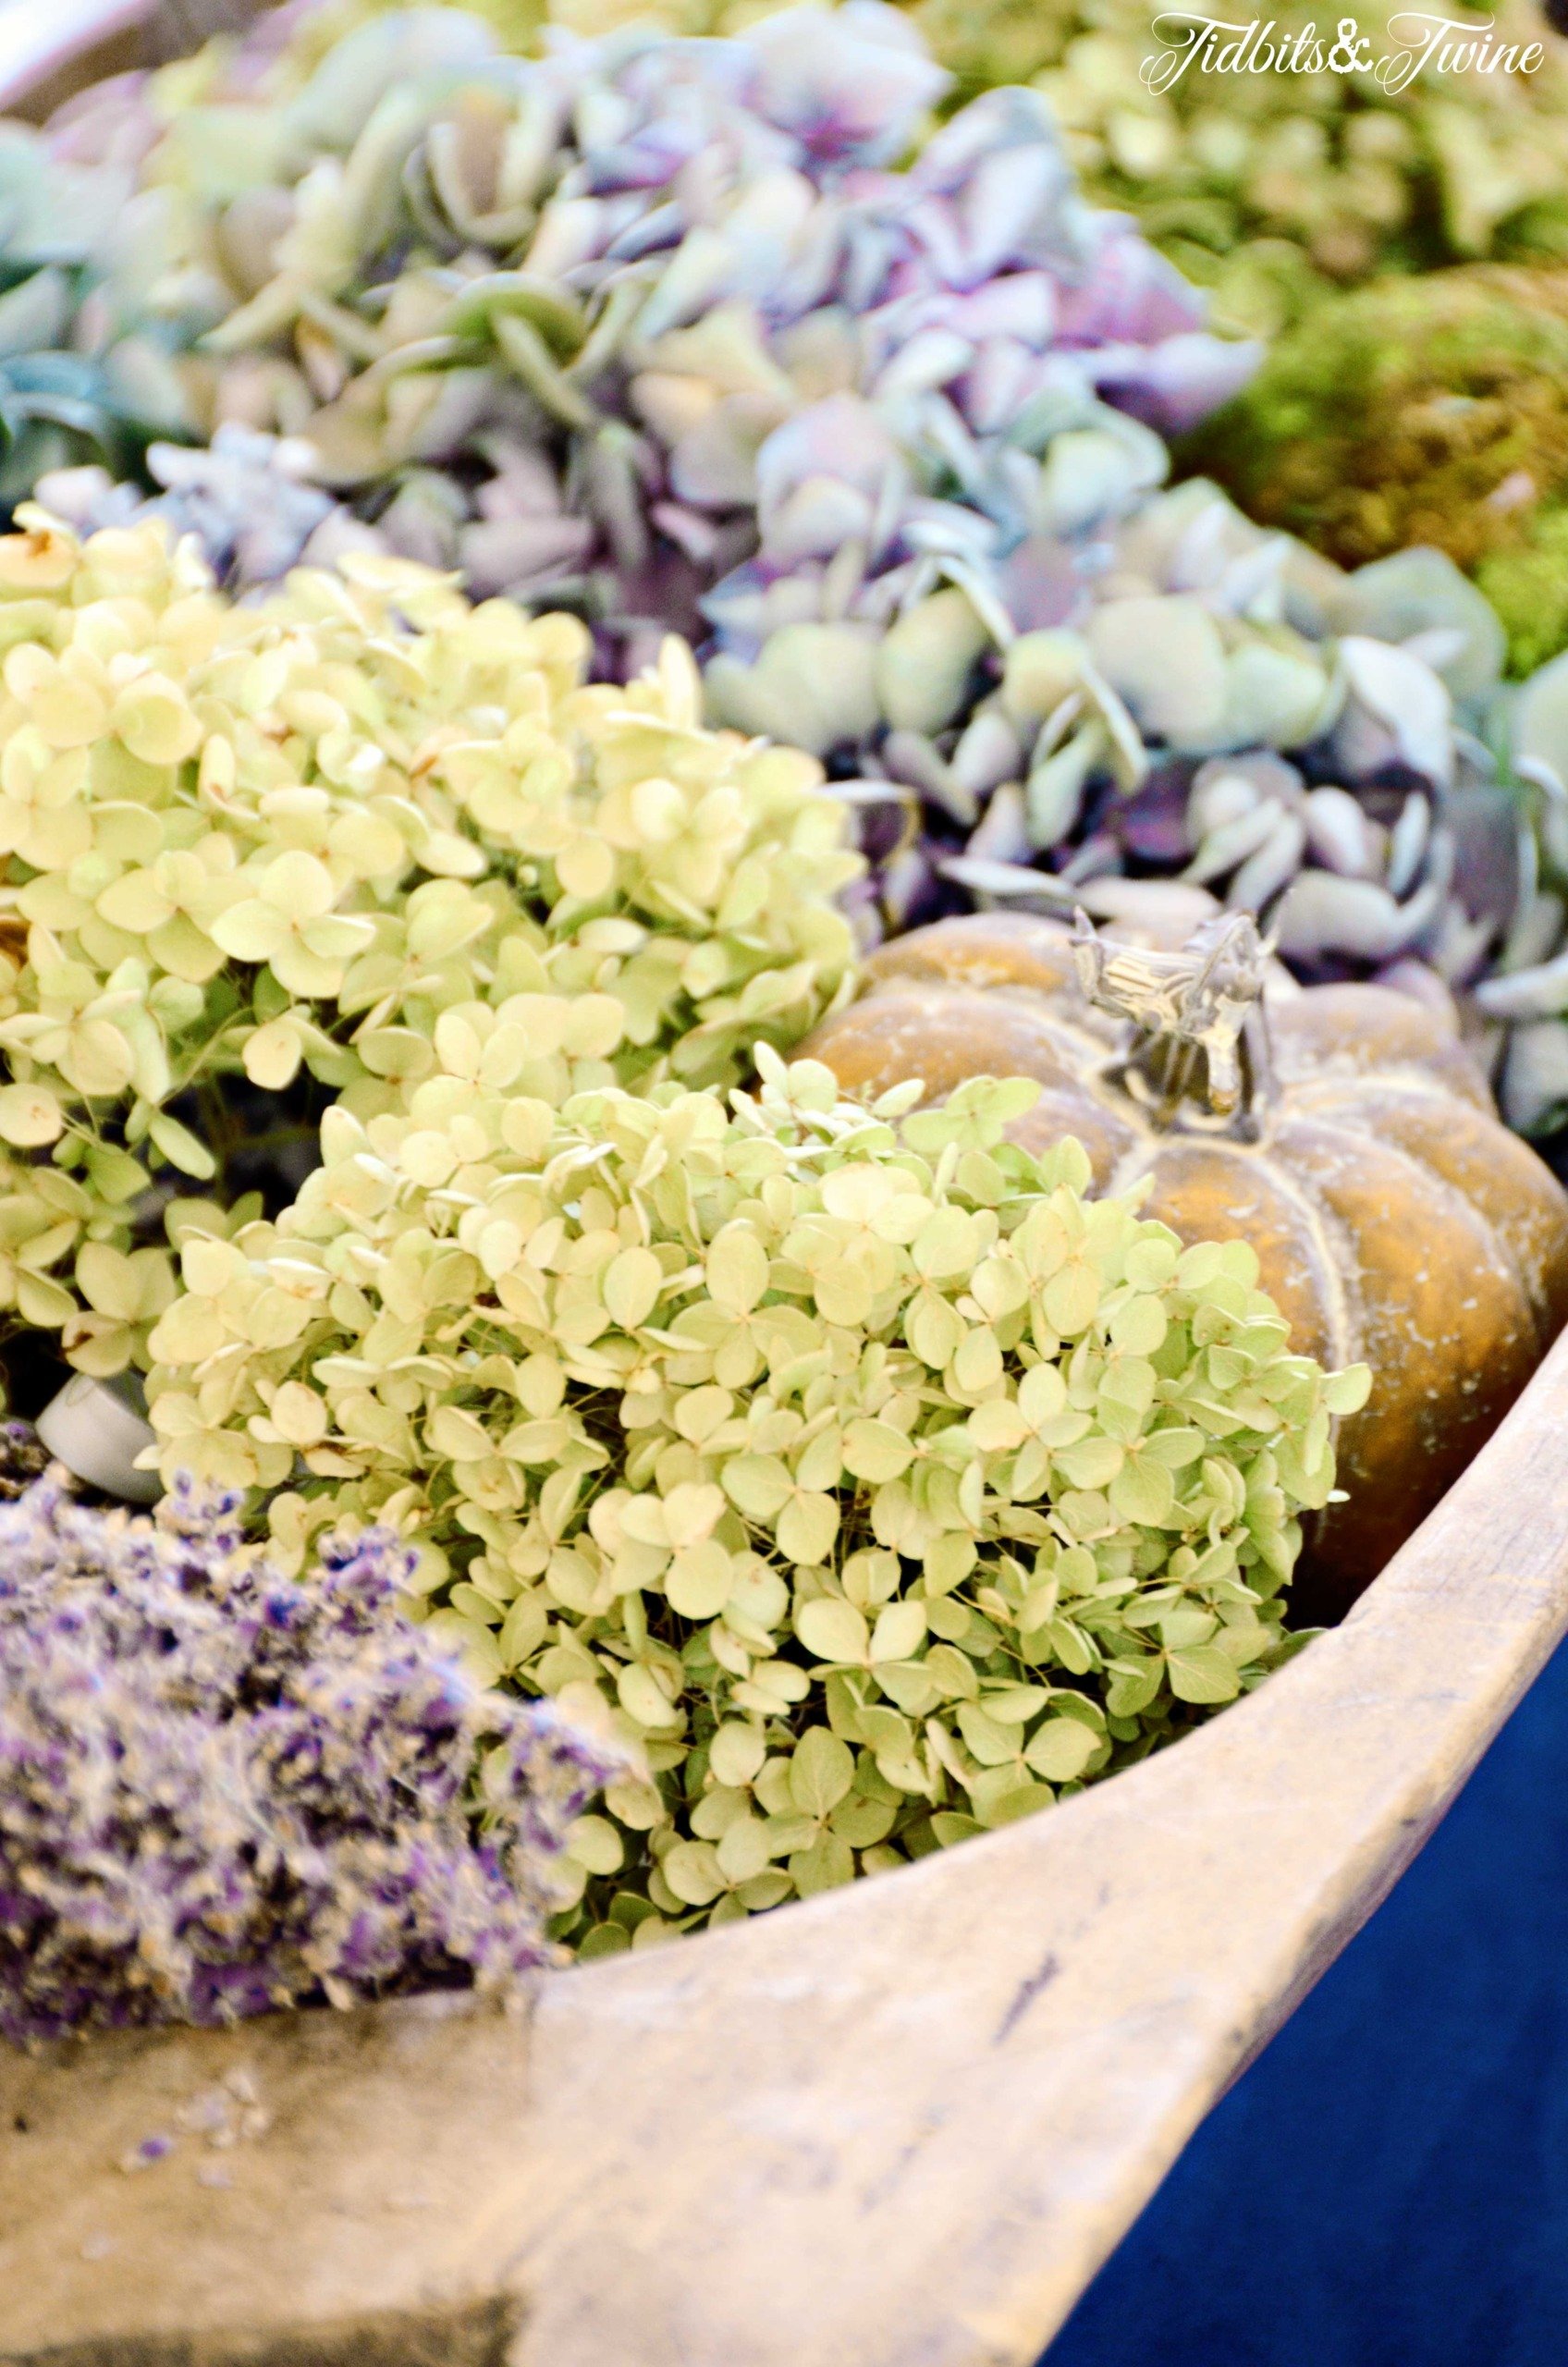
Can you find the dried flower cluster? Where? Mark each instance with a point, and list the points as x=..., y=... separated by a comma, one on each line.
x=654, y=327
x=845, y=425
x=88, y=375
x=225, y=1791
x=868, y=1483
x=1430, y=410
x=1527, y=991
x=248, y=498
x=251, y=843
x=878, y=1481
x=1230, y=710
x=1266, y=180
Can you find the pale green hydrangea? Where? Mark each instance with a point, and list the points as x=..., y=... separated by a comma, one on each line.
x=865, y=1479
x=251, y=841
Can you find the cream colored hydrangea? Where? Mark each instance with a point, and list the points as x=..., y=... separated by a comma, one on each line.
x=253, y=841
x=870, y=1481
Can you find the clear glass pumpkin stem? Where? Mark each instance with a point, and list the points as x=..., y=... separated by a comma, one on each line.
x=1196, y=1050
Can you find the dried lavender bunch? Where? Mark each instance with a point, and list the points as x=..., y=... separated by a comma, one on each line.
x=223, y=1791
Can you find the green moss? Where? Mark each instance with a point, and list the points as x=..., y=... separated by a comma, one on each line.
x=1431, y=410
x=1529, y=590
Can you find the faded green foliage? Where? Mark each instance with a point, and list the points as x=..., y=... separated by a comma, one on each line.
x=862, y=1475
x=253, y=842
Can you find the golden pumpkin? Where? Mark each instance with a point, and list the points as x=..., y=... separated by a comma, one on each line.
x=1356, y=1146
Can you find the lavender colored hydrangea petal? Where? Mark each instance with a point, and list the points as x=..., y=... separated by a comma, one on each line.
x=771, y=316
x=1175, y=385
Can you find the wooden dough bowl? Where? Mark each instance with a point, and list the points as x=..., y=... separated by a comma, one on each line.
x=903, y=2123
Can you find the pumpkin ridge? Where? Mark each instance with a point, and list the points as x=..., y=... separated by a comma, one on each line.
x=1450, y=1364
x=1344, y=1308
x=1318, y=1036
x=1340, y=1294
x=1336, y=1085
x=868, y=1043
x=1457, y=1200
x=1546, y=1289
x=1131, y=1167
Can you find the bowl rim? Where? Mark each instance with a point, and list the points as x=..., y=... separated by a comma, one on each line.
x=46, y=45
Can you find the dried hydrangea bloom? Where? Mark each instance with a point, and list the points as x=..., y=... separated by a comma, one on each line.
x=226, y=1791
x=248, y=845
x=876, y=1482
x=880, y=439
x=90, y=367
x=880, y=436
x=248, y=499
x=1527, y=994
x=1230, y=710
x=585, y=323
x=1268, y=180
x=78, y=382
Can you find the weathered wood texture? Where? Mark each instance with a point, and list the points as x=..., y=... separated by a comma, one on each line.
x=50, y=49
x=898, y=2127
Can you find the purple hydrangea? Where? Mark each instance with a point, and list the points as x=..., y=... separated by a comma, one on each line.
x=223, y=1790
x=710, y=335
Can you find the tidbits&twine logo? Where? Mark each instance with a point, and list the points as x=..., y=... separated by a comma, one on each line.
x=1423, y=43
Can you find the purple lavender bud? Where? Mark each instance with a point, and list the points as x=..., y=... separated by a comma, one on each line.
x=222, y=1791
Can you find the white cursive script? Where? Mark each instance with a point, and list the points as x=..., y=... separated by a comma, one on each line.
x=1222, y=46
x=1450, y=46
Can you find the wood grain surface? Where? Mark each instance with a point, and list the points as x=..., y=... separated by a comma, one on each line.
x=900, y=2125
x=51, y=49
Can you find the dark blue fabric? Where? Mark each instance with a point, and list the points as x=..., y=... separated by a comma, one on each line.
x=1387, y=2185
